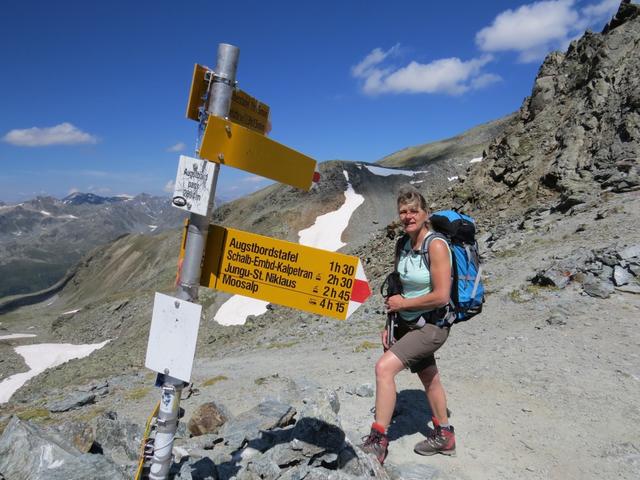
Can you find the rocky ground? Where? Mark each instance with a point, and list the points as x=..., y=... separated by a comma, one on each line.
x=543, y=385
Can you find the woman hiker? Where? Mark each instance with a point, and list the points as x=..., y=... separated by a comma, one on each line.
x=422, y=329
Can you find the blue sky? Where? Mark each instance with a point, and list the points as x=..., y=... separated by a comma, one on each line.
x=94, y=93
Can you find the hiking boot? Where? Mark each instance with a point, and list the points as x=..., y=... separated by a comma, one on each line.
x=376, y=442
x=442, y=440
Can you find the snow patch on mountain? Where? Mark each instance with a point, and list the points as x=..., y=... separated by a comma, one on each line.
x=385, y=172
x=327, y=230
x=14, y=336
x=40, y=357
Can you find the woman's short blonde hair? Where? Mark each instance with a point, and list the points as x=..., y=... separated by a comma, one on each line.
x=409, y=195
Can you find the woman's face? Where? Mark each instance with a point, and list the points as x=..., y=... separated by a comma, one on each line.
x=412, y=217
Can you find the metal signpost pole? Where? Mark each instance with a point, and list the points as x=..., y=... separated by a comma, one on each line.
x=222, y=86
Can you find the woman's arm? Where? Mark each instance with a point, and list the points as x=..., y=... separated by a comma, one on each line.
x=440, y=280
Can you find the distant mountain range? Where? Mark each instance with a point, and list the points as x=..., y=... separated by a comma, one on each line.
x=79, y=198
x=576, y=136
x=41, y=238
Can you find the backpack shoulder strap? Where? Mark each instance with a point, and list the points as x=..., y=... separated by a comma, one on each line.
x=453, y=299
x=427, y=242
x=399, y=246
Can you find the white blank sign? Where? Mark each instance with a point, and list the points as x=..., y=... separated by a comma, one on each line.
x=173, y=336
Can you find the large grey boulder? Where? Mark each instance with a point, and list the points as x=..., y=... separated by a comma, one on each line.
x=80, y=434
x=631, y=252
x=117, y=439
x=248, y=425
x=29, y=453
x=354, y=462
x=621, y=276
x=321, y=404
x=267, y=443
x=72, y=402
x=595, y=287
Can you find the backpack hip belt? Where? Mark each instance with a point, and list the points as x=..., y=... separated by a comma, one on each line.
x=435, y=317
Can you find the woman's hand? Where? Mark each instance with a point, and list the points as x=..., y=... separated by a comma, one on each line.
x=394, y=303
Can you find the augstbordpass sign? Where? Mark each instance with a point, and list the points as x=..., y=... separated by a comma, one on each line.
x=243, y=263
x=285, y=273
x=268, y=269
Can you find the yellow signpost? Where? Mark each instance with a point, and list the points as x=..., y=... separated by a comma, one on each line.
x=249, y=112
x=245, y=110
x=233, y=145
x=286, y=273
x=196, y=93
x=233, y=261
x=290, y=274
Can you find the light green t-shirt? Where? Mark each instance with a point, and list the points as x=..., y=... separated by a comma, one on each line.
x=415, y=277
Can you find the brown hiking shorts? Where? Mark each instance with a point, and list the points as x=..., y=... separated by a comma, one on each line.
x=415, y=348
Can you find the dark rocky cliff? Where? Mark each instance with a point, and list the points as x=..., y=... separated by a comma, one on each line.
x=578, y=134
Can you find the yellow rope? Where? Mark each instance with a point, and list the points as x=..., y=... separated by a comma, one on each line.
x=144, y=440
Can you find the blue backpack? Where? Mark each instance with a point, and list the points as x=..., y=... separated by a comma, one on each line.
x=467, y=291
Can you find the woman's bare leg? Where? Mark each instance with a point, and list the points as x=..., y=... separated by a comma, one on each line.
x=387, y=367
x=436, y=396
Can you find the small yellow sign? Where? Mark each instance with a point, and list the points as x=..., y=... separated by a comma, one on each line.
x=245, y=110
x=230, y=144
x=281, y=272
x=196, y=93
x=249, y=112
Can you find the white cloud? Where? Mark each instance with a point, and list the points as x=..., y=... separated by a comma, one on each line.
x=448, y=75
x=532, y=30
x=535, y=29
x=254, y=179
x=63, y=134
x=73, y=190
x=370, y=61
x=170, y=186
x=601, y=11
x=484, y=80
x=178, y=147
x=451, y=76
x=529, y=26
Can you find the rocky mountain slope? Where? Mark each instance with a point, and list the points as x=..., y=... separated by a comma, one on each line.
x=543, y=385
x=578, y=134
x=40, y=239
x=470, y=144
